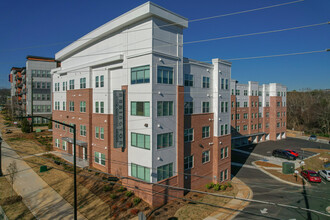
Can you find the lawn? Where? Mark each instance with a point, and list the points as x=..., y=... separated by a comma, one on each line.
x=316, y=163
x=17, y=210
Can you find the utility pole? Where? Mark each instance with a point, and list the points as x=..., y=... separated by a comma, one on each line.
x=74, y=172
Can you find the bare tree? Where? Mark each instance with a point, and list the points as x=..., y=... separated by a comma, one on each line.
x=12, y=171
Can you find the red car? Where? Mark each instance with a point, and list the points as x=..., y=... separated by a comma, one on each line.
x=294, y=153
x=311, y=176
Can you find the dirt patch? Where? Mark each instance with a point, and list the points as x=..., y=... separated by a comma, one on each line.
x=317, y=162
x=16, y=210
x=266, y=164
x=287, y=177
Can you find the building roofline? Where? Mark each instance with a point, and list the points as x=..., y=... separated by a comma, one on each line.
x=141, y=12
x=39, y=58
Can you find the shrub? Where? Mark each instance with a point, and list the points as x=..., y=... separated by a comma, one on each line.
x=26, y=128
x=96, y=174
x=121, y=189
x=216, y=187
x=136, y=201
x=129, y=205
x=113, y=196
x=129, y=193
x=229, y=184
x=223, y=187
x=106, y=188
x=134, y=211
x=114, y=207
x=209, y=185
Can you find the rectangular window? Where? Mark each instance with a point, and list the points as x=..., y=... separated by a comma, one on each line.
x=222, y=83
x=164, y=140
x=232, y=91
x=278, y=104
x=188, y=162
x=221, y=129
x=226, y=151
x=222, y=155
x=188, y=80
x=232, y=116
x=237, y=116
x=206, y=156
x=71, y=106
x=245, y=92
x=71, y=84
x=102, y=81
x=238, y=92
x=99, y=158
x=278, y=124
x=237, y=128
x=206, y=107
x=140, y=172
x=259, y=93
x=260, y=115
x=140, y=109
x=206, y=82
x=227, y=84
x=101, y=107
x=97, y=81
x=188, y=135
x=164, y=75
x=65, y=86
x=82, y=106
x=82, y=83
x=164, y=172
x=140, y=74
x=82, y=130
x=97, y=132
x=278, y=94
x=245, y=104
x=267, y=125
x=57, y=143
x=97, y=107
x=259, y=125
x=226, y=107
x=237, y=104
x=278, y=114
x=140, y=140
x=245, y=127
x=102, y=133
x=233, y=104
x=222, y=107
x=267, y=104
x=226, y=129
x=206, y=132
x=245, y=116
x=164, y=108
x=71, y=130
x=221, y=176
x=64, y=145
x=226, y=174
x=188, y=108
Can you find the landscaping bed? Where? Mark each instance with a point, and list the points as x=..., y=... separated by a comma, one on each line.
x=266, y=164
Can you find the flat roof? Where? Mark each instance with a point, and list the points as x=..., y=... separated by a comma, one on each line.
x=143, y=11
x=39, y=58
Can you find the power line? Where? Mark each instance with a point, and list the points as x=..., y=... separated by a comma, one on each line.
x=174, y=24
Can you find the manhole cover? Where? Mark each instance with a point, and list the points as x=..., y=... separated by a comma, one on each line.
x=328, y=209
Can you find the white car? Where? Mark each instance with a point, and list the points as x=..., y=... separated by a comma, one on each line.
x=325, y=174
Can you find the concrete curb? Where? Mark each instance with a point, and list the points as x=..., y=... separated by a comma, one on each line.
x=236, y=205
x=279, y=179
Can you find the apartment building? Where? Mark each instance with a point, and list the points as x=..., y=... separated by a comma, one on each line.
x=258, y=112
x=143, y=112
x=33, y=81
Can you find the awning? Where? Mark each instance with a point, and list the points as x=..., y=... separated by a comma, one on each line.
x=248, y=135
x=79, y=143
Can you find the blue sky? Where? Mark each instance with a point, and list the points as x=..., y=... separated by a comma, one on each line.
x=25, y=25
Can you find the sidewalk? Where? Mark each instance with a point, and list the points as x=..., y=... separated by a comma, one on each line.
x=38, y=196
x=233, y=207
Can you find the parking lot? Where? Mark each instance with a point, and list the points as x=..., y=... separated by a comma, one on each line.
x=266, y=148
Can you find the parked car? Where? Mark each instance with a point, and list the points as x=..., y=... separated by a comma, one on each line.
x=312, y=137
x=325, y=174
x=283, y=154
x=294, y=153
x=311, y=176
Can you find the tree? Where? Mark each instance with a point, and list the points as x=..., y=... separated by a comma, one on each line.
x=25, y=126
x=12, y=171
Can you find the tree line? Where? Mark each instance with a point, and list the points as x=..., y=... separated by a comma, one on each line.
x=309, y=111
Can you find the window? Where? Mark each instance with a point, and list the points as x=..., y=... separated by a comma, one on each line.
x=252, y=92
x=206, y=82
x=238, y=92
x=237, y=116
x=237, y=104
x=188, y=108
x=140, y=140
x=227, y=84
x=267, y=93
x=278, y=104
x=226, y=129
x=267, y=104
x=102, y=133
x=164, y=108
x=164, y=172
x=221, y=129
x=237, y=128
x=71, y=129
x=221, y=176
x=82, y=106
x=226, y=174
x=206, y=107
x=82, y=83
x=206, y=132
x=206, y=156
x=165, y=75
x=164, y=140
x=259, y=93
x=222, y=155
x=71, y=84
x=64, y=145
x=267, y=125
x=63, y=126
x=65, y=86
x=188, y=135
x=140, y=75
x=251, y=127
x=57, y=143
x=226, y=107
x=71, y=106
x=278, y=114
x=278, y=94
x=252, y=104
x=245, y=92
x=140, y=172
x=232, y=91
x=97, y=132
x=188, y=162
x=97, y=81
x=188, y=80
x=245, y=104
x=232, y=116
x=259, y=125
x=97, y=107
x=283, y=113
x=222, y=83
x=82, y=130
x=233, y=104
x=256, y=115
x=245, y=116
x=278, y=124
x=260, y=115
x=252, y=115
x=226, y=151
x=245, y=127
x=102, y=81
x=101, y=107
x=260, y=104
x=140, y=108
x=222, y=106
x=99, y=158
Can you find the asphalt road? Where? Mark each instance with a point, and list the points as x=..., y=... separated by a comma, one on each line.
x=265, y=188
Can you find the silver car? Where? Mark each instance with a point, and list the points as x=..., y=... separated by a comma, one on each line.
x=312, y=137
x=325, y=174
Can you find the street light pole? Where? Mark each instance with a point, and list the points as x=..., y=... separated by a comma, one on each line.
x=75, y=172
